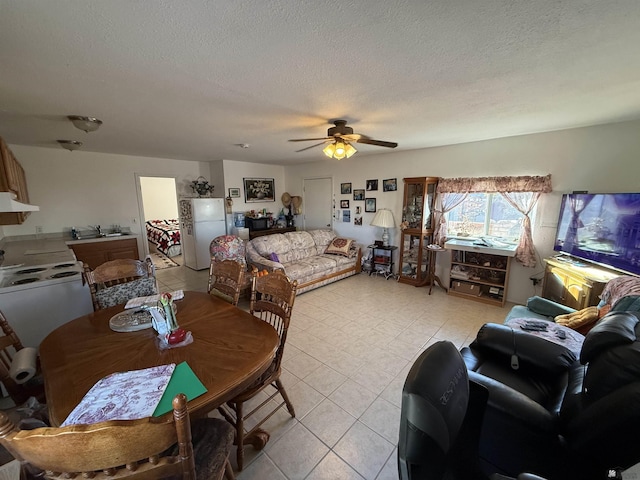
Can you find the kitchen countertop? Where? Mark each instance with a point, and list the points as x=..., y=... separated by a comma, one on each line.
x=45, y=251
x=36, y=252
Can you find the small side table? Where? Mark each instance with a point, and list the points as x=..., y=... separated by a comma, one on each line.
x=382, y=260
x=433, y=278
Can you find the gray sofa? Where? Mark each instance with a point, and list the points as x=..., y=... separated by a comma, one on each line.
x=302, y=257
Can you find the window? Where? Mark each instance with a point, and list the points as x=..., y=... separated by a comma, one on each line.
x=485, y=214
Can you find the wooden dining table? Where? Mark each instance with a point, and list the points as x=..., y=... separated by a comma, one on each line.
x=230, y=349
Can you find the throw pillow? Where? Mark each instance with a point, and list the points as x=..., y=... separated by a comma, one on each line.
x=577, y=319
x=339, y=246
x=274, y=257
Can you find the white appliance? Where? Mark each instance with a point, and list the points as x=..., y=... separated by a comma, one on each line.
x=201, y=220
x=37, y=299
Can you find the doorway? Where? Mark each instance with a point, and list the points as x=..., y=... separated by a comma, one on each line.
x=318, y=202
x=158, y=204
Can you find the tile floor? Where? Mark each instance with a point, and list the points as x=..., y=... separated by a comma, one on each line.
x=349, y=349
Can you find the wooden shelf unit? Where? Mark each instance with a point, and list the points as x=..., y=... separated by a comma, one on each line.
x=479, y=273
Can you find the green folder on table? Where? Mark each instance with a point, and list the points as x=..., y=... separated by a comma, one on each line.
x=183, y=380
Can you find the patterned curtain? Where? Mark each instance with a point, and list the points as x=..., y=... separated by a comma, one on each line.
x=521, y=192
x=445, y=203
x=524, y=203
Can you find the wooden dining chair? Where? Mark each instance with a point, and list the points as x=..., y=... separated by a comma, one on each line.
x=230, y=247
x=226, y=279
x=117, y=281
x=272, y=298
x=147, y=448
x=10, y=344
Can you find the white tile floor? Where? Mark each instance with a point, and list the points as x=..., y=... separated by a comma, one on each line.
x=349, y=349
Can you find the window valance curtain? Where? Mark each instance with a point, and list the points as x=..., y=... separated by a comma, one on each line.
x=495, y=184
x=521, y=192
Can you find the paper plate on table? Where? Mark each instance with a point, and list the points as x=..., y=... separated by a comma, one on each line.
x=129, y=321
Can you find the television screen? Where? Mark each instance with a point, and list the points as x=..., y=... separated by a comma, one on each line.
x=601, y=228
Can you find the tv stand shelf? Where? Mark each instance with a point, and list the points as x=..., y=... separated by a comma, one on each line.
x=479, y=273
x=574, y=283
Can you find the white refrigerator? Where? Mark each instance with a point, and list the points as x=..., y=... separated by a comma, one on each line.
x=201, y=220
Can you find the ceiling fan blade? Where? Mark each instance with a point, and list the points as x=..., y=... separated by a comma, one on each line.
x=379, y=143
x=309, y=139
x=312, y=146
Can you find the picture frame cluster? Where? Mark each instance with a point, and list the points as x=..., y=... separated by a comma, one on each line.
x=363, y=195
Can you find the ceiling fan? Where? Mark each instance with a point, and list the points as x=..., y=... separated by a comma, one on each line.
x=340, y=138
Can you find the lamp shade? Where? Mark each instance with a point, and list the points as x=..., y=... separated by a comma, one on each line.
x=383, y=218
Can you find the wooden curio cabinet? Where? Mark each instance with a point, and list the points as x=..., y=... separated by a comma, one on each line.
x=418, y=220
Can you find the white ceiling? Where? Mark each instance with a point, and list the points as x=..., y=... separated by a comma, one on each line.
x=191, y=79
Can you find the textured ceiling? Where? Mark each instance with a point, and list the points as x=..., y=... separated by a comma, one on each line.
x=192, y=79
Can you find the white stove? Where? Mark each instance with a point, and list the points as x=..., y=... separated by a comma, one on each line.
x=36, y=299
x=17, y=276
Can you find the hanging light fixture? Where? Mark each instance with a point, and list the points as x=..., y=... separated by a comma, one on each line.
x=339, y=149
x=70, y=145
x=86, y=124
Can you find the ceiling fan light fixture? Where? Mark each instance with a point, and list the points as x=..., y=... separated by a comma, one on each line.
x=350, y=150
x=70, y=145
x=329, y=150
x=86, y=124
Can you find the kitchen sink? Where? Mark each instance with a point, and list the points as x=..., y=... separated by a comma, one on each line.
x=88, y=236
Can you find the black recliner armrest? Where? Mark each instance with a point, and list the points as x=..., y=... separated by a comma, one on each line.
x=533, y=352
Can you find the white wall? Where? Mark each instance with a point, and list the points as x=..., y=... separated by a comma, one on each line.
x=598, y=159
x=159, y=198
x=85, y=188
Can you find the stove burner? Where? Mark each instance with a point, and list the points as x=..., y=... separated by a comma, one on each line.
x=64, y=274
x=30, y=270
x=22, y=281
x=63, y=265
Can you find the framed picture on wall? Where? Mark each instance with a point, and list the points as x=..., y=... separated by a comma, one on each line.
x=372, y=185
x=345, y=188
x=390, y=185
x=357, y=220
x=358, y=194
x=369, y=204
x=344, y=203
x=259, y=190
x=234, y=192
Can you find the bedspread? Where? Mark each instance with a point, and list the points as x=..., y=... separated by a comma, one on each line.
x=164, y=234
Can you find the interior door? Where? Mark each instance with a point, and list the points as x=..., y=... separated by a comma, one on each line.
x=318, y=202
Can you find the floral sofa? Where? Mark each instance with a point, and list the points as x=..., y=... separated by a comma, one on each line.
x=306, y=257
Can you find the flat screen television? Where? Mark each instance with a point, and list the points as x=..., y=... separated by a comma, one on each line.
x=603, y=228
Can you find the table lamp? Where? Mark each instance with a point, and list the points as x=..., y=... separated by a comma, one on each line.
x=384, y=218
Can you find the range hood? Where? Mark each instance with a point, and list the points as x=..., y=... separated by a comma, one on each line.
x=8, y=203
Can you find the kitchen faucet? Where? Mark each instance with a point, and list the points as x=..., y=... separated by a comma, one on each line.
x=96, y=228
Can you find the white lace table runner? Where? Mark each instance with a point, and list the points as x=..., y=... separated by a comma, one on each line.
x=122, y=396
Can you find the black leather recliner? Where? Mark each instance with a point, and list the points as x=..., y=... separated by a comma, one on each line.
x=556, y=415
x=441, y=418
